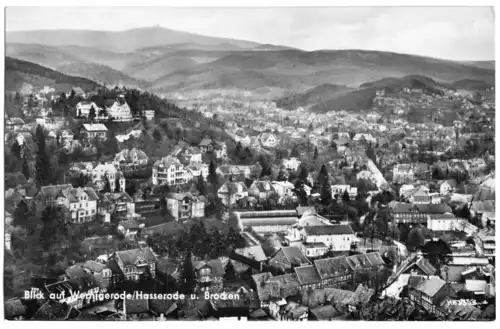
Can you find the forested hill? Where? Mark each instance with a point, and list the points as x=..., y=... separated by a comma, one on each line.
x=19, y=72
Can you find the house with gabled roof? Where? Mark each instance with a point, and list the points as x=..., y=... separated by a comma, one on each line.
x=287, y=258
x=14, y=124
x=130, y=160
x=135, y=262
x=403, y=174
x=169, y=170
x=81, y=202
x=261, y=190
x=334, y=272
x=209, y=274
x=308, y=277
x=430, y=293
x=94, y=130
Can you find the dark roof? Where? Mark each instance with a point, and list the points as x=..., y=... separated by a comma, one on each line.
x=130, y=257
x=161, y=306
x=113, y=266
x=13, y=308
x=328, y=230
x=288, y=285
x=333, y=267
x=426, y=266
x=94, y=266
x=214, y=264
x=414, y=281
x=440, y=208
x=53, y=310
x=400, y=207
x=136, y=305
x=326, y=312
x=307, y=275
x=375, y=258
x=266, y=288
x=169, y=228
x=361, y=295
x=295, y=255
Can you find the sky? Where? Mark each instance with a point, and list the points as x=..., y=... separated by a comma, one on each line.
x=457, y=33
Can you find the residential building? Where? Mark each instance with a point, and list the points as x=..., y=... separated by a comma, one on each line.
x=281, y=310
x=106, y=174
x=209, y=275
x=119, y=110
x=131, y=160
x=80, y=202
x=83, y=109
x=261, y=190
x=206, y=145
x=91, y=131
x=335, y=237
x=14, y=124
x=149, y=114
x=231, y=192
x=403, y=174
x=194, y=171
x=135, y=262
x=339, y=190
x=449, y=186
x=117, y=203
x=485, y=243
x=169, y=171
x=287, y=258
x=430, y=293
x=443, y=222
x=334, y=272
x=269, y=140
x=283, y=189
x=291, y=164
x=308, y=277
x=184, y=206
x=14, y=309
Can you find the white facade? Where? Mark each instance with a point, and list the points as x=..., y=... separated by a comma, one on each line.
x=120, y=111
x=107, y=171
x=337, y=242
x=169, y=171
x=291, y=164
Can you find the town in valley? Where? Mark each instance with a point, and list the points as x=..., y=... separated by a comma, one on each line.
x=206, y=196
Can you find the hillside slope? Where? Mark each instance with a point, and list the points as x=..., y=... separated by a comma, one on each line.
x=76, y=61
x=121, y=41
x=18, y=72
x=298, y=71
x=312, y=96
x=330, y=98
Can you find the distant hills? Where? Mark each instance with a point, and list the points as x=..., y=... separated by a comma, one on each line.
x=19, y=72
x=166, y=61
x=328, y=97
x=120, y=41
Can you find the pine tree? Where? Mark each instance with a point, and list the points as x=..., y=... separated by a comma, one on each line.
x=345, y=197
x=201, y=186
x=188, y=281
x=112, y=143
x=303, y=173
x=230, y=272
x=92, y=113
x=26, y=169
x=43, y=173
x=16, y=150
x=212, y=175
x=315, y=155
